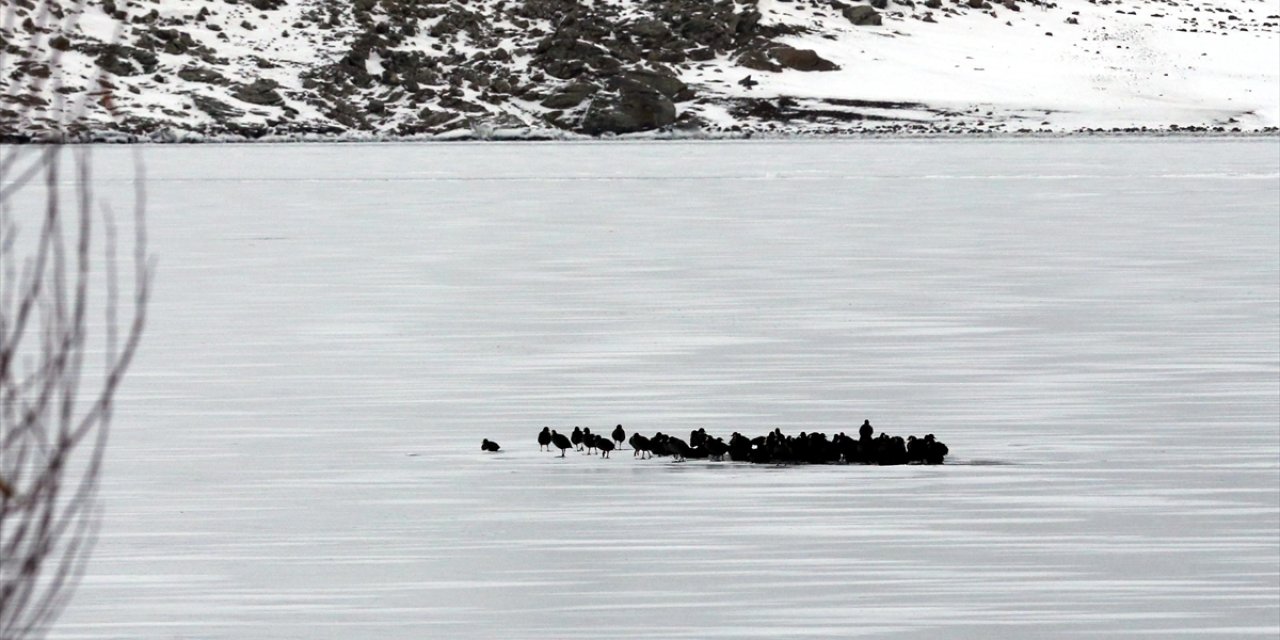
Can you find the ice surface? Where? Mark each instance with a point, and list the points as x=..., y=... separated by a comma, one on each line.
x=1093, y=327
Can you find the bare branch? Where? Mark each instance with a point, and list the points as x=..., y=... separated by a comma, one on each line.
x=54, y=415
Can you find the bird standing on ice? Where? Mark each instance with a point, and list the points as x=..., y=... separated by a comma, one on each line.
x=560, y=442
x=544, y=439
x=604, y=445
x=489, y=446
x=619, y=434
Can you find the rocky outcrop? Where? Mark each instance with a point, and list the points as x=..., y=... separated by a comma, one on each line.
x=863, y=15
x=466, y=67
x=776, y=58
x=629, y=109
x=261, y=92
x=801, y=59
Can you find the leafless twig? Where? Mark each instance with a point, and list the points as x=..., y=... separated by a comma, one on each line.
x=56, y=408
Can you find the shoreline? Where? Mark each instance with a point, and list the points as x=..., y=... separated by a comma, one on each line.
x=168, y=137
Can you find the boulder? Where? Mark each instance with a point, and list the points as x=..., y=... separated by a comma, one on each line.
x=801, y=59
x=570, y=96
x=218, y=109
x=202, y=75
x=663, y=82
x=630, y=110
x=261, y=92
x=862, y=16
x=649, y=28
x=778, y=57
x=126, y=61
x=758, y=60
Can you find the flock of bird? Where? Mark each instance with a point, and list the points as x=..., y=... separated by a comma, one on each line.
x=773, y=448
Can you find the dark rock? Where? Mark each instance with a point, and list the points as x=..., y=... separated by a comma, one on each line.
x=459, y=104
x=863, y=16
x=649, y=28
x=198, y=74
x=665, y=83
x=631, y=110
x=758, y=60
x=171, y=41
x=261, y=92
x=801, y=59
x=562, y=55
x=569, y=97
x=218, y=109
x=126, y=61
x=701, y=54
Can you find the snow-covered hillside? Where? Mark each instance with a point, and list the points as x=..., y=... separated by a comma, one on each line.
x=177, y=69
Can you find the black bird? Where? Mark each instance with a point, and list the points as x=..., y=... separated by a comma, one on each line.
x=865, y=431
x=639, y=445
x=560, y=442
x=716, y=448
x=576, y=437
x=619, y=434
x=696, y=437
x=679, y=448
x=604, y=445
x=588, y=439
x=487, y=445
x=935, y=451
x=748, y=82
x=544, y=439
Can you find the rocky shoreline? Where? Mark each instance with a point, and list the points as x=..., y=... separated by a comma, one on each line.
x=516, y=136
x=126, y=70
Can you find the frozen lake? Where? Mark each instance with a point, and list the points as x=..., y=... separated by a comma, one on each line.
x=1092, y=326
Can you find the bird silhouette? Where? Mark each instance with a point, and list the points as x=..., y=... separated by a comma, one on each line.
x=748, y=82
x=604, y=445
x=489, y=445
x=576, y=437
x=619, y=434
x=544, y=439
x=678, y=448
x=560, y=442
x=640, y=446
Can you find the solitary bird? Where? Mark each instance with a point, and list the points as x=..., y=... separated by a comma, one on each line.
x=544, y=439
x=489, y=445
x=619, y=435
x=576, y=437
x=748, y=82
x=560, y=442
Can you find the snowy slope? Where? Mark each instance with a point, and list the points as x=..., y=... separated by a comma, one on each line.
x=373, y=68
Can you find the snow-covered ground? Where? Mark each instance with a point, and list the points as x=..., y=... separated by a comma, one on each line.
x=1090, y=325
x=1119, y=65
x=930, y=67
